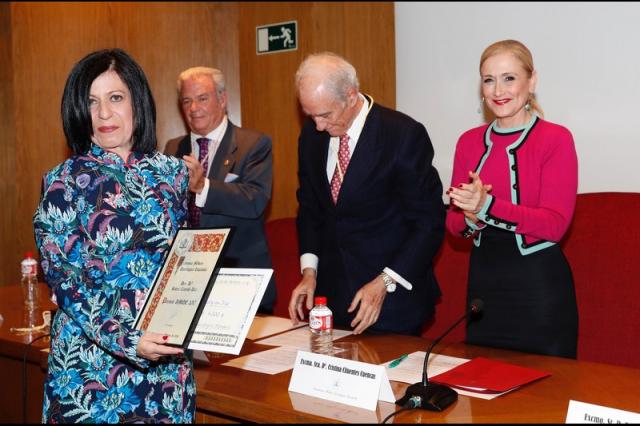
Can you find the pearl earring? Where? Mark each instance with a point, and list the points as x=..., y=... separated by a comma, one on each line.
x=527, y=107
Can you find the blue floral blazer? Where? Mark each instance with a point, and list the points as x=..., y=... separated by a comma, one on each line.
x=102, y=228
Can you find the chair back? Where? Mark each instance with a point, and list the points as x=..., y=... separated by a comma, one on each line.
x=451, y=267
x=282, y=238
x=602, y=247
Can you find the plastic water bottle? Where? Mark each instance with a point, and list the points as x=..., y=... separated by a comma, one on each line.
x=29, y=281
x=321, y=326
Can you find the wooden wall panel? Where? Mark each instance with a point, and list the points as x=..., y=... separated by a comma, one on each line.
x=361, y=32
x=47, y=40
x=8, y=235
x=41, y=41
x=183, y=35
x=44, y=41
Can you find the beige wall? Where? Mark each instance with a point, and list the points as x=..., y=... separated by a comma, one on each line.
x=40, y=42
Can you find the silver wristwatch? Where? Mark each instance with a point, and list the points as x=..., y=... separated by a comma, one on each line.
x=389, y=282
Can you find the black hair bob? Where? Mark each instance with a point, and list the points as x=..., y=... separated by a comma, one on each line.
x=76, y=116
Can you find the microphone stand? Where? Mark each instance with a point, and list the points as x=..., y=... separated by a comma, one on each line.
x=434, y=396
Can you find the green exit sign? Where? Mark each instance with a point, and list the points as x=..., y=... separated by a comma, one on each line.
x=277, y=37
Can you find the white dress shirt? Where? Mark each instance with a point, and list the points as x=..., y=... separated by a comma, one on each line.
x=215, y=136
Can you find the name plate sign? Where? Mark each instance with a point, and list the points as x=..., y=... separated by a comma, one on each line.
x=581, y=412
x=340, y=380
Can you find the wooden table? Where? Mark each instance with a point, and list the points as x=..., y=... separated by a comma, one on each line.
x=229, y=394
x=13, y=348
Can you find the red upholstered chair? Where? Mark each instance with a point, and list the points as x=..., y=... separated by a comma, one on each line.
x=282, y=238
x=602, y=247
x=451, y=267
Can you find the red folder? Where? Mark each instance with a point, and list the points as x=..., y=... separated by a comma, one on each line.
x=486, y=375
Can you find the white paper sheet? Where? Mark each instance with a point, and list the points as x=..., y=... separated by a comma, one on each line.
x=230, y=310
x=271, y=361
x=299, y=338
x=269, y=325
x=282, y=358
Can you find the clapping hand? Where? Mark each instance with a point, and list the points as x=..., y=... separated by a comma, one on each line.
x=470, y=197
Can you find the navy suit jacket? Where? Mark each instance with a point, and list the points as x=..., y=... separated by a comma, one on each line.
x=242, y=202
x=389, y=213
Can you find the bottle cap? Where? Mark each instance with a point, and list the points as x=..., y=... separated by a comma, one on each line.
x=29, y=255
x=320, y=300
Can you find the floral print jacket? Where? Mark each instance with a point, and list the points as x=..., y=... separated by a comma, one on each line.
x=102, y=228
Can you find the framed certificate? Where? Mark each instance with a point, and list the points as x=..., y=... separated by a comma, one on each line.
x=230, y=310
x=180, y=291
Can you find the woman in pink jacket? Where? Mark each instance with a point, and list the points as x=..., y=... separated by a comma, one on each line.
x=513, y=191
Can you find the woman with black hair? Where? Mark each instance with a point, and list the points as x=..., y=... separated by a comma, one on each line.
x=106, y=217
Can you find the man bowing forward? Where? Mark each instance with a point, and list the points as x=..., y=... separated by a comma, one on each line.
x=370, y=217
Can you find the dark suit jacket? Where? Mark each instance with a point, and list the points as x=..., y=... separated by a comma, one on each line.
x=389, y=213
x=241, y=203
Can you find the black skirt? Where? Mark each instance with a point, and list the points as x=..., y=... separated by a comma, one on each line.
x=529, y=300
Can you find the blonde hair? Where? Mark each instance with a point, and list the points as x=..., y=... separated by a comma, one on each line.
x=522, y=54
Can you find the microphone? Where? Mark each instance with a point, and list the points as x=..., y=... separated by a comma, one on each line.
x=434, y=396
